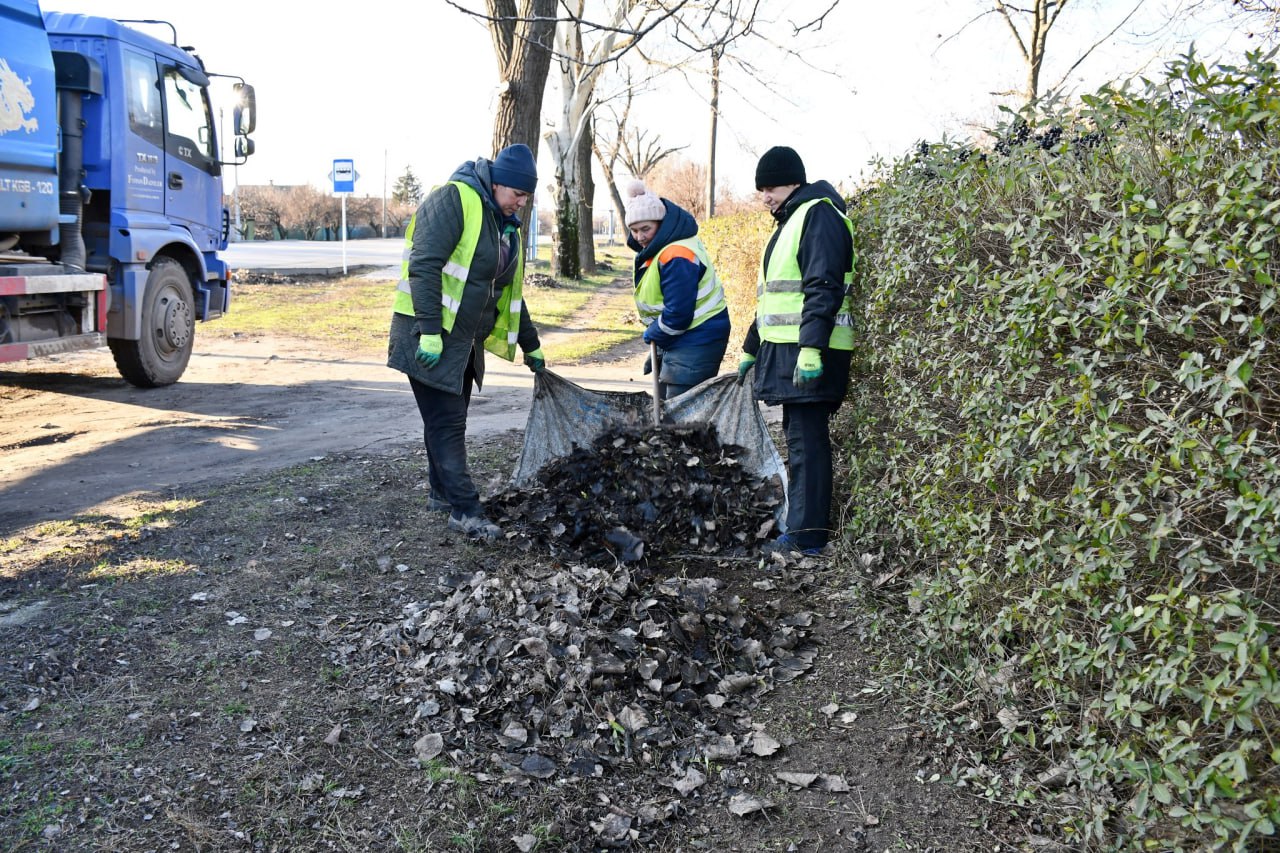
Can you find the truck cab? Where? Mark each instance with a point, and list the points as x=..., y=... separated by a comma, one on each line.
x=138, y=175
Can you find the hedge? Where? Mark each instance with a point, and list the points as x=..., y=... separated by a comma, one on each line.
x=1065, y=439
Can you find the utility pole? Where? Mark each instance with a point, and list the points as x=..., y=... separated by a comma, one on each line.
x=384, y=192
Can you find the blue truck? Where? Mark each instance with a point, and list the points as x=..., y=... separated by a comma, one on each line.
x=111, y=202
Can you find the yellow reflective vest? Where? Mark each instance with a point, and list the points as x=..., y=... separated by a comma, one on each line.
x=780, y=288
x=453, y=278
x=708, y=303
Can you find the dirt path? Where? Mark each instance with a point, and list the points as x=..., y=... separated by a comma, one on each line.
x=76, y=437
x=606, y=299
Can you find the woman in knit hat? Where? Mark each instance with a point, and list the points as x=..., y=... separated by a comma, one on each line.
x=677, y=292
x=461, y=293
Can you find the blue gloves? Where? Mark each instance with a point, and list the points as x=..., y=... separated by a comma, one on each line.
x=429, y=349
x=649, y=332
x=808, y=366
x=535, y=360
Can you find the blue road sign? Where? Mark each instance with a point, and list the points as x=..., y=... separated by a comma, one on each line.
x=344, y=176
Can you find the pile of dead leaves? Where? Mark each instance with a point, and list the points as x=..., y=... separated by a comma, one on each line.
x=602, y=657
x=650, y=494
x=582, y=672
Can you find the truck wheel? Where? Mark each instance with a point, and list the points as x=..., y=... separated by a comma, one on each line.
x=161, y=354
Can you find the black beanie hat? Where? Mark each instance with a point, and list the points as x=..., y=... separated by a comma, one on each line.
x=779, y=167
x=515, y=167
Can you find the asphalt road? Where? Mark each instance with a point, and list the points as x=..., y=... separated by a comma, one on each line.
x=309, y=256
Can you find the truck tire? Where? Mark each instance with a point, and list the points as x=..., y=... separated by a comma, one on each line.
x=161, y=354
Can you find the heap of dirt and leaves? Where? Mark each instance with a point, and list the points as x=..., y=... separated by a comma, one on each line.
x=1065, y=445
x=595, y=660
x=655, y=494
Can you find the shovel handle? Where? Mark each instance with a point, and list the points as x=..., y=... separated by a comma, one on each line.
x=657, y=387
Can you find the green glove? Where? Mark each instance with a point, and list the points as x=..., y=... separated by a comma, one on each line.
x=808, y=366
x=745, y=365
x=536, y=361
x=429, y=349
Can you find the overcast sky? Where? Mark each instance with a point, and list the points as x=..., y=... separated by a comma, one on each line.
x=412, y=84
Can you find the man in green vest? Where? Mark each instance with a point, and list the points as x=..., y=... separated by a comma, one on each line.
x=802, y=339
x=461, y=293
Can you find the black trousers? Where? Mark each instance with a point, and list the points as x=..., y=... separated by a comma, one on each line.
x=444, y=432
x=807, y=427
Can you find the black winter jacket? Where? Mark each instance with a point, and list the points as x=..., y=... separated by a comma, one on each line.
x=826, y=254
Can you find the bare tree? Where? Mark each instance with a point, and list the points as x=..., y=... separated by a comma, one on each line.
x=263, y=206
x=586, y=204
x=306, y=209
x=615, y=140
x=684, y=182
x=522, y=38
x=581, y=65
x=1260, y=17
x=739, y=33
x=1030, y=26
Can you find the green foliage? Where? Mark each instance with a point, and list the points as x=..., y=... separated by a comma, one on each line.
x=1068, y=428
x=407, y=189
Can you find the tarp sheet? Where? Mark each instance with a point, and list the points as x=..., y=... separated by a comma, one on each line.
x=565, y=415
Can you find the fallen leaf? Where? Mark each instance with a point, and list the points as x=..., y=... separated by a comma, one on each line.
x=347, y=793
x=428, y=747
x=311, y=783
x=763, y=745
x=1008, y=718
x=538, y=766
x=690, y=782
x=834, y=784
x=800, y=780
x=334, y=734
x=742, y=804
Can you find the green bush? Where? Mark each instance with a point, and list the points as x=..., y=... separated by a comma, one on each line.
x=1067, y=432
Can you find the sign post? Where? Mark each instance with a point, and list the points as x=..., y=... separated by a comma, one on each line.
x=344, y=177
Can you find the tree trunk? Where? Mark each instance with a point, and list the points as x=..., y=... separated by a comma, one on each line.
x=522, y=46
x=716, y=50
x=618, y=206
x=566, y=259
x=586, y=213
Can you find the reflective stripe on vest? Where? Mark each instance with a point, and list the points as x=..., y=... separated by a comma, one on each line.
x=780, y=288
x=456, y=270
x=708, y=303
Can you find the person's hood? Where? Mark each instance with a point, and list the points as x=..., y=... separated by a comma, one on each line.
x=807, y=193
x=475, y=174
x=678, y=224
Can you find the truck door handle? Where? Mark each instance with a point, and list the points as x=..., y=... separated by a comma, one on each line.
x=175, y=181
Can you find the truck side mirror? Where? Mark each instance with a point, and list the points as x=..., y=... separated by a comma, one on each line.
x=244, y=147
x=245, y=115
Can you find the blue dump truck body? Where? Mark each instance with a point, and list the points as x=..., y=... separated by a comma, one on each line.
x=111, y=214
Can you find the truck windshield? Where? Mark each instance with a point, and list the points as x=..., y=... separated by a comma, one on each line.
x=190, y=126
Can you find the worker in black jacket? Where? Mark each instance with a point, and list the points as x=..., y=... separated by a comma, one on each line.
x=802, y=339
